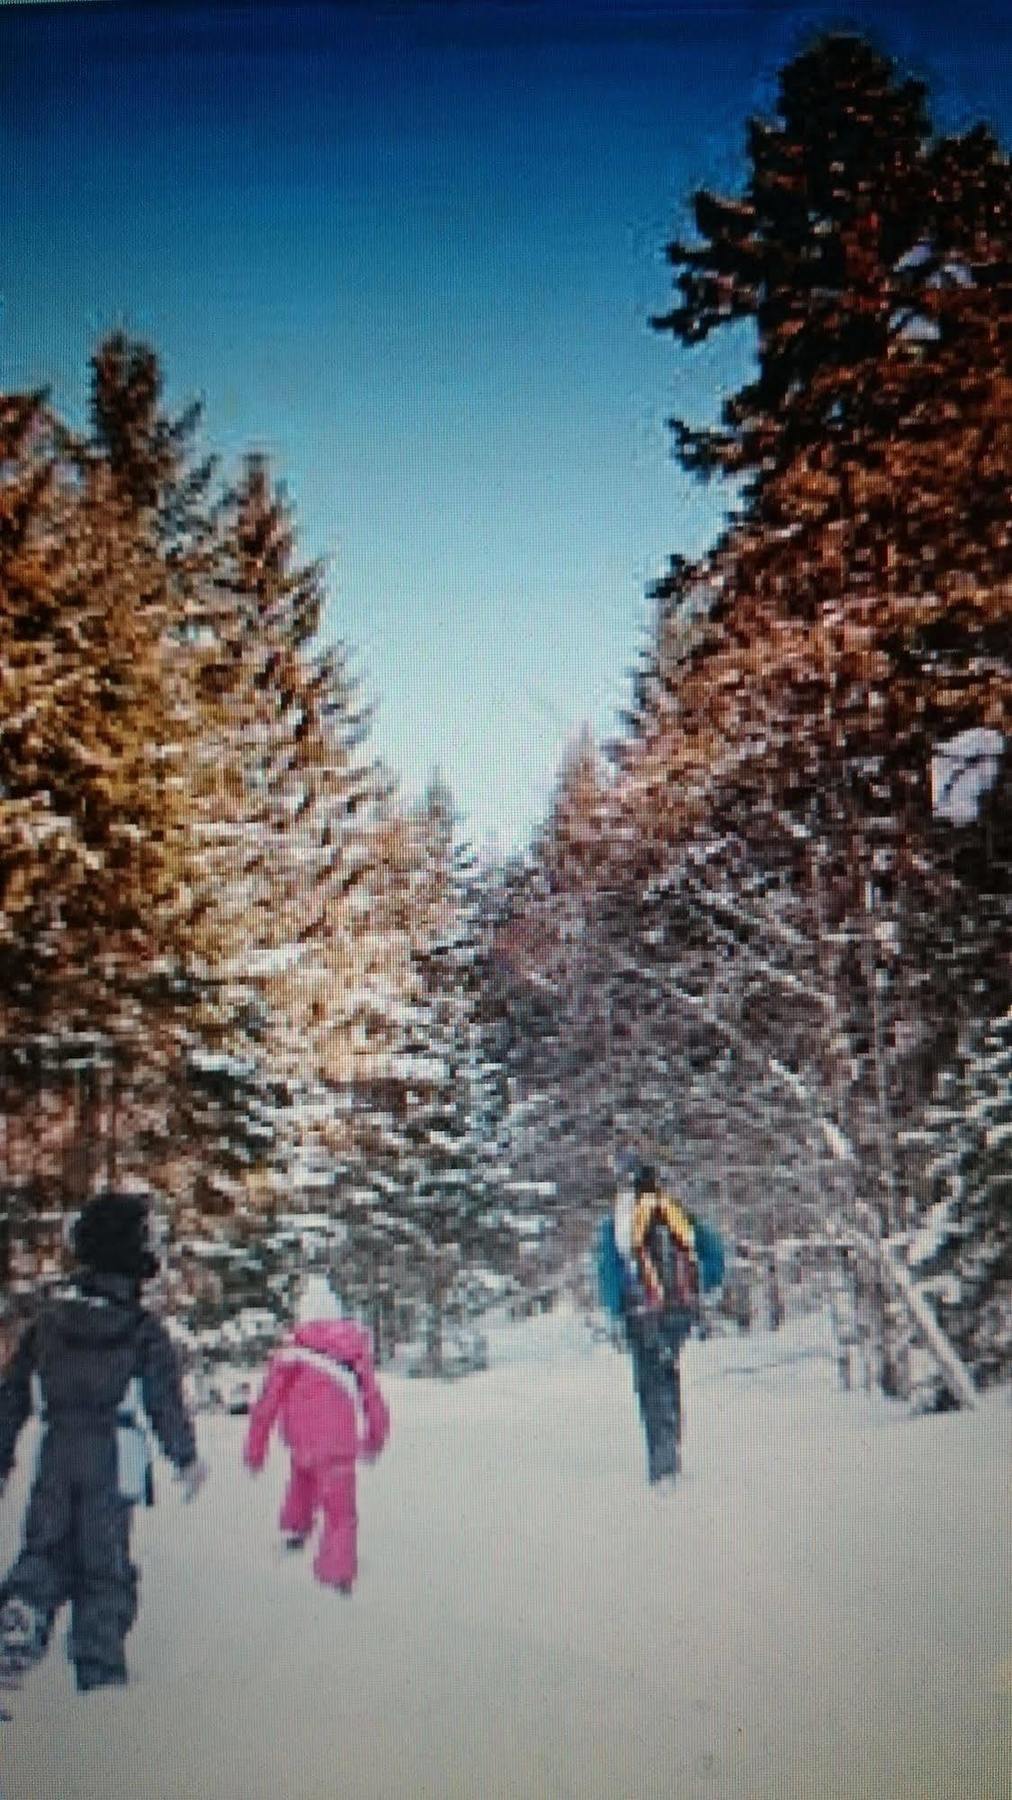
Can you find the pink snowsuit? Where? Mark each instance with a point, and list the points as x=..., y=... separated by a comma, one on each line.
x=312, y=1384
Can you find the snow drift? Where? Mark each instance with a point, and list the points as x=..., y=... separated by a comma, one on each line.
x=819, y=1609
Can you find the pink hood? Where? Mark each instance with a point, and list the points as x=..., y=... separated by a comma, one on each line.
x=340, y=1339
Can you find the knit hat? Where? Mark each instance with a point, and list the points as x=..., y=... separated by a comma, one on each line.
x=111, y=1237
x=625, y=1165
x=632, y=1171
x=318, y=1300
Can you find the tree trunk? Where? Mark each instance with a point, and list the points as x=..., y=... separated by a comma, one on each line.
x=80, y=1151
x=875, y=981
x=376, y=1314
x=434, y=1336
x=112, y=1130
x=434, y=1321
x=895, y=1377
x=894, y=1374
x=901, y=1293
x=775, y=1295
x=843, y=1311
x=956, y=1374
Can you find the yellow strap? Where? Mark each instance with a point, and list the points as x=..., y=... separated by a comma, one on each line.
x=678, y=1223
x=674, y=1215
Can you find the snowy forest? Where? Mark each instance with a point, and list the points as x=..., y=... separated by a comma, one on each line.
x=762, y=935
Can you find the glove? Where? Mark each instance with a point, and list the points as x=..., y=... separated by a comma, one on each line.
x=192, y=1479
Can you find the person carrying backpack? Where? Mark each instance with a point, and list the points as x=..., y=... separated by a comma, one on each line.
x=77, y=1366
x=654, y=1258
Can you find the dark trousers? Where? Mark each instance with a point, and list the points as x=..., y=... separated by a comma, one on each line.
x=655, y=1340
x=76, y=1549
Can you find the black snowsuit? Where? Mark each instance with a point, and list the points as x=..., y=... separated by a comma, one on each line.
x=86, y=1346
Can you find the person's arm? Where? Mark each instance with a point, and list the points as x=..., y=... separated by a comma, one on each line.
x=377, y=1415
x=15, y=1400
x=709, y=1255
x=162, y=1394
x=264, y=1411
x=611, y=1281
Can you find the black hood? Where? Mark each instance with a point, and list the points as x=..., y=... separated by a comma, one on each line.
x=111, y=1237
x=96, y=1311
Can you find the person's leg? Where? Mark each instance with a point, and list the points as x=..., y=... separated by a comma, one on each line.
x=104, y=1581
x=37, y=1584
x=299, y=1504
x=637, y=1337
x=679, y=1332
x=336, y=1563
x=660, y=1409
x=640, y=1338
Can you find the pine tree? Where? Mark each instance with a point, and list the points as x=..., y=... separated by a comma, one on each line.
x=92, y=825
x=148, y=454
x=294, y=932
x=855, y=617
x=451, y=1158
x=969, y=1267
x=864, y=611
x=554, y=947
x=873, y=260
x=199, y=955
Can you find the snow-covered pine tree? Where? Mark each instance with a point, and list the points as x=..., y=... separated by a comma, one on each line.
x=150, y=457
x=451, y=1167
x=250, y=683
x=294, y=932
x=861, y=592
x=578, y=894
x=867, y=566
x=93, y=829
x=967, y=1266
x=517, y=1011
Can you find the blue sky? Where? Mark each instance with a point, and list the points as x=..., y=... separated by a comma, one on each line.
x=412, y=252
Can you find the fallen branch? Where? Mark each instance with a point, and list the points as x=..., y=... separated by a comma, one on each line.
x=955, y=1372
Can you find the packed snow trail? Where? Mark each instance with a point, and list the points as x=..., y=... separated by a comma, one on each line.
x=818, y=1609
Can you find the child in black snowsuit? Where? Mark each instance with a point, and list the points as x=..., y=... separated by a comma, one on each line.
x=87, y=1345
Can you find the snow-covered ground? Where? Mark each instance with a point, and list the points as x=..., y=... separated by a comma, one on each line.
x=819, y=1609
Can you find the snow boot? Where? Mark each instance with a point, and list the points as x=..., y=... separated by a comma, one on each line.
x=22, y=1640
x=93, y=1675
x=296, y=1540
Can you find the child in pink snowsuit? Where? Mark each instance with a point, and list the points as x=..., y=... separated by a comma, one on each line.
x=322, y=1386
